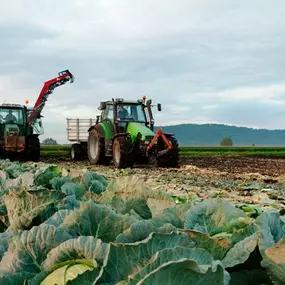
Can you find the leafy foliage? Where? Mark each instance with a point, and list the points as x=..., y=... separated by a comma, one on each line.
x=60, y=230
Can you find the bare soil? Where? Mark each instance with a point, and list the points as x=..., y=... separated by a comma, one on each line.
x=240, y=180
x=265, y=166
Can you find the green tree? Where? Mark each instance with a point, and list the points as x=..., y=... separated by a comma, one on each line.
x=49, y=141
x=226, y=142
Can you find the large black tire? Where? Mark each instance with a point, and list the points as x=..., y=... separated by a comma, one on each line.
x=33, y=149
x=121, y=152
x=142, y=160
x=171, y=158
x=76, y=152
x=96, y=148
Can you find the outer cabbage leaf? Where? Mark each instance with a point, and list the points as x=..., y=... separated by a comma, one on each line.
x=136, y=255
x=3, y=177
x=168, y=216
x=233, y=248
x=38, y=278
x=15, y=279
x=96, y=187
x=4, y=220
x=59, y=181
x=181, y=266
x=215, y=216
x=58, y=218
x=45, y=178
x=274, y=262
x=24, y=207
x=132, y=187
x=70, y=189
x=241, y=251
x=272, y=229
x=218, y=247
x=4, y=242
x=81, y=248
x=69, y=271
x=15, y=169
x=96, y=220
x=141, y=230
x=70, y=203
x=94, y=182
x=183, y=272
x=27, y=251
x=126, y=206
x=88, y=278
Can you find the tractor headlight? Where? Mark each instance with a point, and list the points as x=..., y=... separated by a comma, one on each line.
x=146, y=142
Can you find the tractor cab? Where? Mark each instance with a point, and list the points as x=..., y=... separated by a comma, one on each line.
x=12, y=119
x=119, y=113
x=14, y=129
x=15, y=116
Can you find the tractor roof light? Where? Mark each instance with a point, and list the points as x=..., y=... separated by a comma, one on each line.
x=119, y=100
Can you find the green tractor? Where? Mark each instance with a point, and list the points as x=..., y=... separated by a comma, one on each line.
x=124, y=133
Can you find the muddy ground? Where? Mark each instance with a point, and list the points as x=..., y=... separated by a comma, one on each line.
x=240, y=180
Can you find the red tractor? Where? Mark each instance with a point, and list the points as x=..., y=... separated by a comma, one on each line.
x=21, y=126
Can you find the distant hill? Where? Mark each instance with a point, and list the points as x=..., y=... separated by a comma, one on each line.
x=212, y=134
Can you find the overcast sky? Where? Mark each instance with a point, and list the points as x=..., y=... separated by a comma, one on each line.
x=206, y=61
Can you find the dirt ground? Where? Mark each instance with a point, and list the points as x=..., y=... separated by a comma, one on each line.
x=265, y=166
x=240, y=180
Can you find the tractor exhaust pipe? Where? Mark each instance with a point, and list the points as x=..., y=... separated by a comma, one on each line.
x=148, y=106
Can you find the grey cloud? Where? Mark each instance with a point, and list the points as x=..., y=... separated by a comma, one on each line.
x=252, y=113
x=216, y=47
x=16, y=39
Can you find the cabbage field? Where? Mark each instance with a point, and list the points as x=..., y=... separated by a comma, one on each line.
x=62, y=224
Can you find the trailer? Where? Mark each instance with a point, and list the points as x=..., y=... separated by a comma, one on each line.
x=77, y=134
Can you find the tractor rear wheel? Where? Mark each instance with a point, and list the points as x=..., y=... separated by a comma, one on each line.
x=171, y=158
x=121, y=149
x=33, y=149
x=96, y=148
x=76, y=152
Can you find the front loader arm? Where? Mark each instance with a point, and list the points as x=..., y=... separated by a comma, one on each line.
x=158, y=134
x=49, y=86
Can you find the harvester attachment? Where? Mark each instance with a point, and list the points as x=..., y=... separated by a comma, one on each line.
x=166, y=149
x=168, y=143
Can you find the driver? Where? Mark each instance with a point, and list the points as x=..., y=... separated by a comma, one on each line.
x=122, y=112
x=10, y=117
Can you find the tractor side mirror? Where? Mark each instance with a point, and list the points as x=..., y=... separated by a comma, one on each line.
x=159, y=107
x=102, y=106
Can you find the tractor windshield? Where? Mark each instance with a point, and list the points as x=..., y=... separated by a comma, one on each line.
x=131, y=112
x=11, y=116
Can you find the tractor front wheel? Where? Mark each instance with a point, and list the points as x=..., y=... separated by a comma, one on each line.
x=96, y=148
x=171, y=158
x=121, y=148
x=33, y=149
